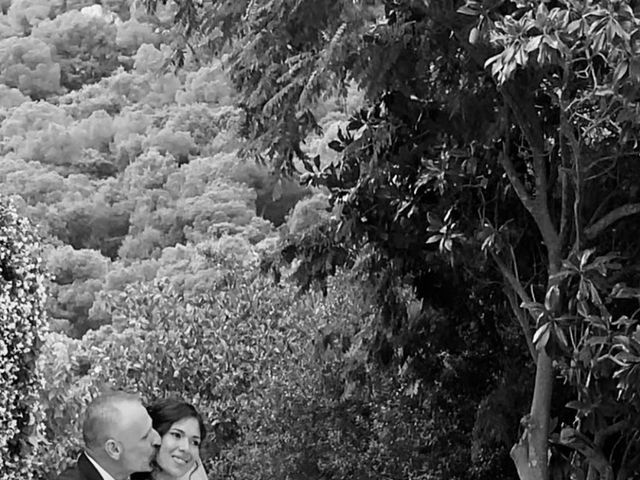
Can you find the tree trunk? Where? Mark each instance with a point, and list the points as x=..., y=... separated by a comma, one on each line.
x=530, y=453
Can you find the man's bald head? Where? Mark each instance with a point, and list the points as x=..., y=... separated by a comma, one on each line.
x=105, y=416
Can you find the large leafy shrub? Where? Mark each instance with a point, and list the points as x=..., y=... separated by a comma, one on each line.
x=285, y=380
x=23, y=320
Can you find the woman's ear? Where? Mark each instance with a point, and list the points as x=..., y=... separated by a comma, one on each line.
x=112, y=447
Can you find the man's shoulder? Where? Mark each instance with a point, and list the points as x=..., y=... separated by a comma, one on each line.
x=81, y=470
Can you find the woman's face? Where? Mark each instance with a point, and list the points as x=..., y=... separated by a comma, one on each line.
x=179, y=448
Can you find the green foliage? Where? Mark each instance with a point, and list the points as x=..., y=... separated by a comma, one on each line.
x=497, y=148
x=28, y=65
x=208, y=84
x=26, y=14
x=205, y=122
x=11, y=97
x=77, y=277
x=168, y=141
x=146, y=87
x=85, y=47
x=63, y=398
x=32, y=116
x=283, y=379
x=23, y=319
x=6, y=30
x=132, y=34
x=279, y=102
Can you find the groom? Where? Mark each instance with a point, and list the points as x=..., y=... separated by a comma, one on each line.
x=118, y=440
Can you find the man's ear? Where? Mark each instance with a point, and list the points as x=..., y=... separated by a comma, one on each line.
x=113, y=449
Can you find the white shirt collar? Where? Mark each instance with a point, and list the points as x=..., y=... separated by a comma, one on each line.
x=103, y=473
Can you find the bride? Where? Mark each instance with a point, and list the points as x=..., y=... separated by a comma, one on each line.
x=182, y=430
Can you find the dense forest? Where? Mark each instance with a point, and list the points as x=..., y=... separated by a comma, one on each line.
x=373, y=239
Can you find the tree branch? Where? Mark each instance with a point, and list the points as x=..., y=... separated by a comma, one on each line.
x=564, y=167
x=527, y=120
x=510, y=170
x=595, y=229
x=577, y=192
x=514, y=283
x=606, y=432
x=524, y=323
x=517, y=289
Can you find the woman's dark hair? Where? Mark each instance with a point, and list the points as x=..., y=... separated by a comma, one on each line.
x=165, y=413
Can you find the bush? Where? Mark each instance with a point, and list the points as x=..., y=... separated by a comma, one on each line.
x=219, y=350
x=23, y=319
x=27, y=64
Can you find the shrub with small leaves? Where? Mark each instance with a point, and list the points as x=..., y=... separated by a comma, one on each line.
x=23, y=320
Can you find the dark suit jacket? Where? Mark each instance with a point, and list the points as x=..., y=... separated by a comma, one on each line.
x=83, y=470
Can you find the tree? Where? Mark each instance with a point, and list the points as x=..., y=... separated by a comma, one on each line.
x=77, y=276
x=498, y=143
x=85, y=47
x=22, y=313
x=11, y=97
x=6, y=30
x=132, y=34
x=26, y=14
x=28, y=65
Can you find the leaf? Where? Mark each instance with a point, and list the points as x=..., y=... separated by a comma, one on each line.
x=447, y=216
x=355, y=125
x=620, y=290
x=627, y=358
x=532, y=306
x=560, y=336
x=634, y=68
x=471, y=7
x=620, y=71
x=578, y=405
x=575, y=25
x=584, y=257
x=597, y=340
x=336, y=145
x=583, y=308
x=533, y=43
x=474, y=35
x=541, y=336
x=552, y=298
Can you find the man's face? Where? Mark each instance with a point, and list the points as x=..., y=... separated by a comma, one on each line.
x=138, y=439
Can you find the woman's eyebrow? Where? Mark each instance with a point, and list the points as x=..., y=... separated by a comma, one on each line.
x=176, y=429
